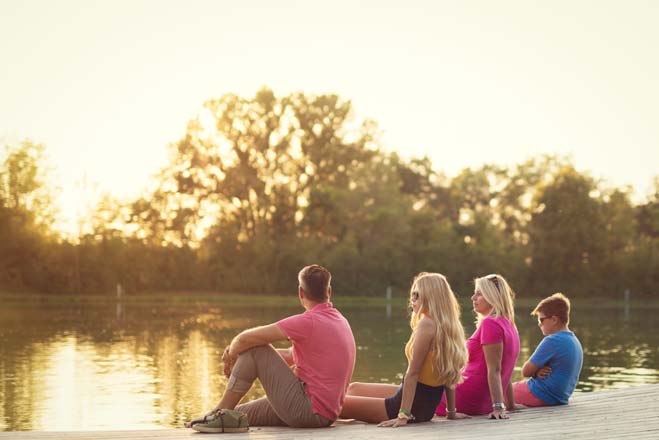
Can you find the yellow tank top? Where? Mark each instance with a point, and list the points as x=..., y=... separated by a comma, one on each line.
x=427, y=375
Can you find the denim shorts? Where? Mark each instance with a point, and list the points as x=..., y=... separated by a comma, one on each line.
x=426, y=399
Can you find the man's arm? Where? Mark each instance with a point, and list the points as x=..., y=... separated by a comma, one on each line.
x=254, y=337
x=251, y=338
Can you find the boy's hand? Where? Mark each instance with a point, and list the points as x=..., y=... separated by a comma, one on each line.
x=543, y=372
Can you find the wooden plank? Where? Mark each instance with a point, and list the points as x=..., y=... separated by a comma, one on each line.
x=624, y=413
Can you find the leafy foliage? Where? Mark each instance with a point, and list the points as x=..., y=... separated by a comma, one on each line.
x=258, y=187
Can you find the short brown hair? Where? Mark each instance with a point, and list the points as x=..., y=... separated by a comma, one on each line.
x=315, y=281
x=556, y=305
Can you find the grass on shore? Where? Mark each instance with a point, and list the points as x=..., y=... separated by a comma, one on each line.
x=239, y=299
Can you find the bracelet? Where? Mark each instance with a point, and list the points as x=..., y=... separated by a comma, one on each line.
x=405, y=414
x=498, y=405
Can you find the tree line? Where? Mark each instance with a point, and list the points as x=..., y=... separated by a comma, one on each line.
x=259, y=186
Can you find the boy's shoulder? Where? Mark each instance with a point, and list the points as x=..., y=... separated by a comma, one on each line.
x=562, y=336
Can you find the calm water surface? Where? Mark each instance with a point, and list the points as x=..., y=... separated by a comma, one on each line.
x=137, y=366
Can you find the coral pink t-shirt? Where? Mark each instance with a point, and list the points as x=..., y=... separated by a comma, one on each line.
x=472, y=396
x=324, y=355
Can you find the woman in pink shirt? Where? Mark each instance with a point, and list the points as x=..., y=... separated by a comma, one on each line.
x=493, y=351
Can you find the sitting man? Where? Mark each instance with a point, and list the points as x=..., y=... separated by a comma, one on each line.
x=323, y=356
x=555, y=365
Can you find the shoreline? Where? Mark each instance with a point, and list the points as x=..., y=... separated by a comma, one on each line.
x=263, y=300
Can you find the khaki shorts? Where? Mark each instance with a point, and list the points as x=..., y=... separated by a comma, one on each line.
x=286, y=402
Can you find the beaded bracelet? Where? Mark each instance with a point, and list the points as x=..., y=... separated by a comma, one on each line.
x=405, y=414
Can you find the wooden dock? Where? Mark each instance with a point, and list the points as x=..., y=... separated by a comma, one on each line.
x=614, y=414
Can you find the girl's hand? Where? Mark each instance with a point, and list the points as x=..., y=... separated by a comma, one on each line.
x=393, y=423
x=456, y=416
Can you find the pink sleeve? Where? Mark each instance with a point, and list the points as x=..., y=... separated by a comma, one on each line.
x=297, y=327
x=491, y=332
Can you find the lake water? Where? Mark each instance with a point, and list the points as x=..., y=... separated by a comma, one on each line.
x=105, y=365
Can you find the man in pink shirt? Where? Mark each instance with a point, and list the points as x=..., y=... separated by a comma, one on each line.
x=311, y=394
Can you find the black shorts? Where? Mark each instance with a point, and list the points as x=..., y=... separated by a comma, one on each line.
x=424, y=405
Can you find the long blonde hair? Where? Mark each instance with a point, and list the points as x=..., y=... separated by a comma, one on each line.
x=438, y=302
x=498, y=294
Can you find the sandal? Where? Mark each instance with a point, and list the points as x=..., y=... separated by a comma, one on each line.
x=222, y=420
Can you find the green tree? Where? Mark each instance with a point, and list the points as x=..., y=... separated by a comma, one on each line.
x=252, y=162
x=642, y=265
x=568, y=235
x=23, y=182
x=243, y=179
x=26, y=214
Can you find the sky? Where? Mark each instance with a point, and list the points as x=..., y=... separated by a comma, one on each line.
x=106, y=86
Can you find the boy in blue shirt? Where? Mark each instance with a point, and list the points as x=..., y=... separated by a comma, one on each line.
x=553, y=369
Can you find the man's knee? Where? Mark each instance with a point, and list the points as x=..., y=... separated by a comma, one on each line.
x=246, y=367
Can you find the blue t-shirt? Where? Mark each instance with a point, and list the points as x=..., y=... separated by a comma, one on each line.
x=563, y=353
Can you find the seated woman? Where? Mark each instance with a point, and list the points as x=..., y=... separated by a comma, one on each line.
x=436, y=356
x=493, y=351
x=555, y=365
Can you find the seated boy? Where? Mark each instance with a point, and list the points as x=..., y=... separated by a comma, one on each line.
x=555, y=365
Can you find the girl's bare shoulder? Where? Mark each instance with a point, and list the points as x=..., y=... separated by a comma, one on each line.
x=426, y=324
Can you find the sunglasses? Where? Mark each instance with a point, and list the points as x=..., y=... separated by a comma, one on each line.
x=541, y=319
x=414, y=296
x=495, y=280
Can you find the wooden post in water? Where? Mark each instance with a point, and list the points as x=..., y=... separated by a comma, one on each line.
x=388, y=297
x=120, y=307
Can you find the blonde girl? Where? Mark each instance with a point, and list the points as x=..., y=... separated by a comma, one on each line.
x=436, y=356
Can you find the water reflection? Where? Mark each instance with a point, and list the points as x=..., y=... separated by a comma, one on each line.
x=148, y=366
